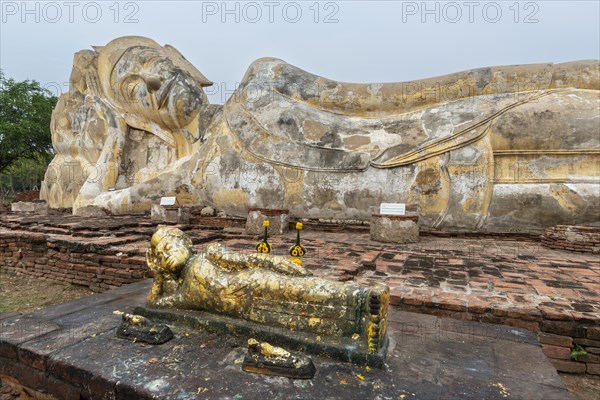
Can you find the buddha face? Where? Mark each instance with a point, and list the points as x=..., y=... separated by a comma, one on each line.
x=169, y=250
x=147, y=83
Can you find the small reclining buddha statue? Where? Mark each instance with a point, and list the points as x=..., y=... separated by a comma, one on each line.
x=262, y=288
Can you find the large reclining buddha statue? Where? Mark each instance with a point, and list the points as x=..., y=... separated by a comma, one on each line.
x=499, y=147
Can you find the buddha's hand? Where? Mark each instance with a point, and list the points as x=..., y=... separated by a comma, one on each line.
x=231, y=261
x=176, y=256
x=287, y=267
x=153, y=261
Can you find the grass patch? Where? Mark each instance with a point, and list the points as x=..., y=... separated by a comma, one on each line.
x=22, y=293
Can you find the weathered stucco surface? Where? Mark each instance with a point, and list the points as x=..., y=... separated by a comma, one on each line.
x=499, y=147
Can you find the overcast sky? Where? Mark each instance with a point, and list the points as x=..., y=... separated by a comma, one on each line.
x=352, y=41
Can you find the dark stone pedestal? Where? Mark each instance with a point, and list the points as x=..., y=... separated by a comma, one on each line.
x=139, y=329
x=289, y=364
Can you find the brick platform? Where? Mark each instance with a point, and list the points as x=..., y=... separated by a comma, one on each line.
x=518, y=283
x=515, y=283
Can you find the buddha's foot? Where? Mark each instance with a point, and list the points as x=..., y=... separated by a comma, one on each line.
x=378, y=298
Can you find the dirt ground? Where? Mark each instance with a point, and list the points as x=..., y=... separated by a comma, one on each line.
x=7, y=392
x=583, y=387
x=24, y=293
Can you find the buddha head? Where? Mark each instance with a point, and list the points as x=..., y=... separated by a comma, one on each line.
x=155, y=83
x=169, y=250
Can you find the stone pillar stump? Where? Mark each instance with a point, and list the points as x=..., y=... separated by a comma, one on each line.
x=90, y=212
x=395, y=228
x=279, y=220
x=170, y=214
x=37, y=207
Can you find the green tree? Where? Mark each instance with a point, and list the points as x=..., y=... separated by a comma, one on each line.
x=25, y=111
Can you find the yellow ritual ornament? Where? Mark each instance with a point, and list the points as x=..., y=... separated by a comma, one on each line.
x=264, y=246
x=297, y=250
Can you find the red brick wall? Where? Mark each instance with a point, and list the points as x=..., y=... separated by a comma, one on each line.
x=558, y=347
x=33, y=254
x=585, y=239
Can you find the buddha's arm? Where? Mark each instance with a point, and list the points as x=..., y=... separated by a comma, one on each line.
x=278, y=264
x=105, y=169
x=230, y=261
x=360, y=99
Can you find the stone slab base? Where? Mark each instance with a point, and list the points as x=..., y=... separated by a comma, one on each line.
x=70, y=351
x=339, y=348
x=279, y=221
x=394, y=228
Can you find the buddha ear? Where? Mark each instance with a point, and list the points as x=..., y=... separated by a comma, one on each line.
x=180, y=61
